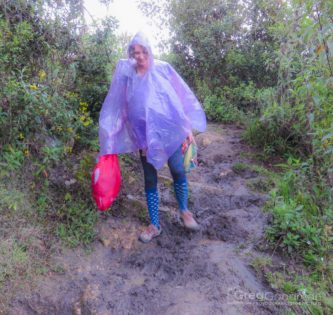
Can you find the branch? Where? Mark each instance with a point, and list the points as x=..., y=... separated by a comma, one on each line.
x=324, y=42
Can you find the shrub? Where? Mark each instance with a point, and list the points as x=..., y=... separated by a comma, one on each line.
x=302, y=214
x=77, y=221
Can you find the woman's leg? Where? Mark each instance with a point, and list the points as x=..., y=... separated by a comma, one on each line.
x=177, y=170
x=150, y=178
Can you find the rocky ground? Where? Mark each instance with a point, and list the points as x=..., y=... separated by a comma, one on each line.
x=180, y=272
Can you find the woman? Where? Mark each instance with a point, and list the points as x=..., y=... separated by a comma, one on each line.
x=151, y=109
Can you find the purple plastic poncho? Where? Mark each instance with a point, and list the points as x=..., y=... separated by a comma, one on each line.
x=154, y=112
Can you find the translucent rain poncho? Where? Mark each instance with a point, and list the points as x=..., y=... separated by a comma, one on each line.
x=154, y=112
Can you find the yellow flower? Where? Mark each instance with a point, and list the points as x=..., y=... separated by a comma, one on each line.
x=68, y=149
x=327, y=142
x=21, y=136
x=87, y=122
x=70, y=130
x=26, y=152
x=70, y=94
x=41, y=74
x=83, y=106
x=33, y=87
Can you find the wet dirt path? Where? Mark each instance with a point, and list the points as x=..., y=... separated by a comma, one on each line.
x=181, y=272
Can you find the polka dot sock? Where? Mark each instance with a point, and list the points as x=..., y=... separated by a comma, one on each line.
x=181, y=194
x=152, y=203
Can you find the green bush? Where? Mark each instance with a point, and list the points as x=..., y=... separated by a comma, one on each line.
x=76, y=222
x=54, y=79
x=216, y=105
x=302, y=214
x=218, y=109
x=279, y=130
x=243, y=95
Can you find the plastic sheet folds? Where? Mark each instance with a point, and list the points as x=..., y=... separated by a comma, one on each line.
x=154, y=112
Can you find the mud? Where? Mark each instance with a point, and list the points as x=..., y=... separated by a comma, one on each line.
x=180, y=272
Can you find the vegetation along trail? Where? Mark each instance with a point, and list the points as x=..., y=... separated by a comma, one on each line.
x=266, y=66
x=181, y=272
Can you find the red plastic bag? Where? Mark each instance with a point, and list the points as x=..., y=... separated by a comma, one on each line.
x=106, y=179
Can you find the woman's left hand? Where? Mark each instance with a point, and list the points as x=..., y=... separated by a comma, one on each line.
x=190, y=137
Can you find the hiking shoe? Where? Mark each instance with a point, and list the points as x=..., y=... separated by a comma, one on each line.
x=189, y=222
x=150, y=232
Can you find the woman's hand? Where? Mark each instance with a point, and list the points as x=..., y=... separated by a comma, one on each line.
x=190, y=137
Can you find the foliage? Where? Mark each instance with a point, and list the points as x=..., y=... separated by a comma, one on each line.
x=303, y=214
x=77, y=222
x=17, y=260
x=224, y=43
x=273, y=60
x=302, y=113
x=299, y=123
x=218, y=109
x=277, y=131
x=268, y=64
x=301, y=205
x=216, y=104
x=99, y=54
x=227, y=46
x=54, y=76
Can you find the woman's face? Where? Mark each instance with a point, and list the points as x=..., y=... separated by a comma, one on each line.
x=140, y=54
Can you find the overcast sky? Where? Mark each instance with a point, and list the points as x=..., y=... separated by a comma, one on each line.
x=131, y=20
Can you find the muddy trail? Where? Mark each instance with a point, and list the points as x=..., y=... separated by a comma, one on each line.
x=180, y=272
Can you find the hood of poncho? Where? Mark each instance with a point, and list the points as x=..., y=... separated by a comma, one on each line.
x=142, y=40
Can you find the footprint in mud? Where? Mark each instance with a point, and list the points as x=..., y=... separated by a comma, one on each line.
x=224, y=229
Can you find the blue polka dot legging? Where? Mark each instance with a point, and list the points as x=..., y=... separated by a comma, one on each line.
x=177, y=171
